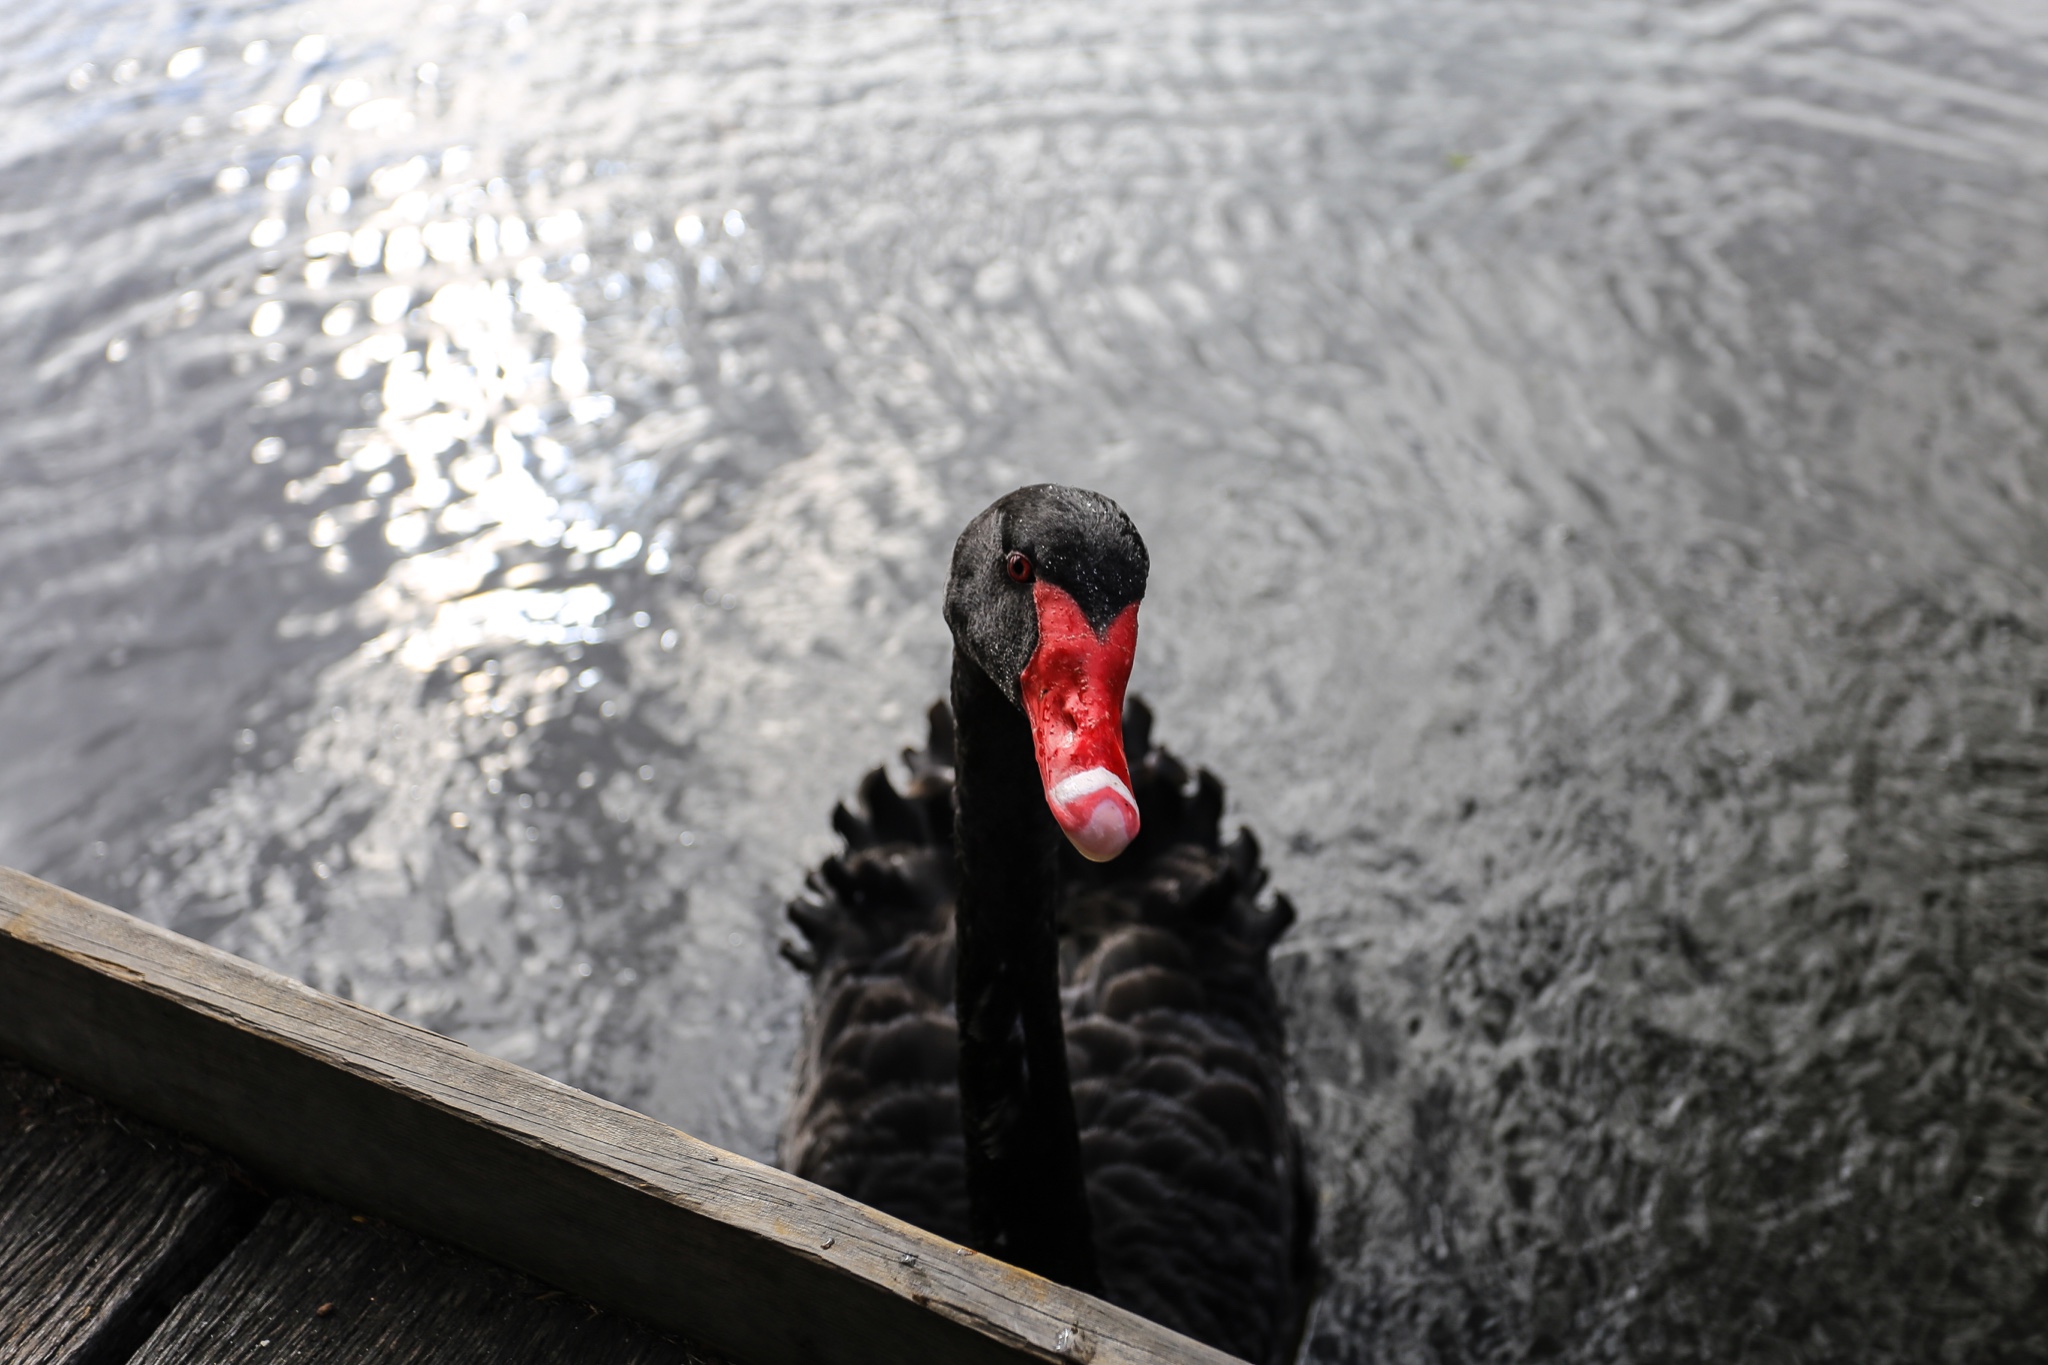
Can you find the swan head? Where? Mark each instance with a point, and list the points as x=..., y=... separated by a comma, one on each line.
x=1044, y=600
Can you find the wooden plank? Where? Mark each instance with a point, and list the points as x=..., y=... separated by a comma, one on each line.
x=315, y=1286
x=102, y=1224
x=393, y=1119
x=106, y=1223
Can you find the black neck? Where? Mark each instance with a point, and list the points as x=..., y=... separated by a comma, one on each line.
x=1025, y=1197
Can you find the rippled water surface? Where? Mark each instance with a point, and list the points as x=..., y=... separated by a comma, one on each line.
x=475, y=486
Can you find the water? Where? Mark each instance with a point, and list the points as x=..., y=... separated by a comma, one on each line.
x=475, y=486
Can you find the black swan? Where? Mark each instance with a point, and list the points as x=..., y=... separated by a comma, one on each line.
x=1065, y=1053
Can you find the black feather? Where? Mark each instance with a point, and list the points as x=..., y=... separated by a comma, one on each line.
x=1195, y=1176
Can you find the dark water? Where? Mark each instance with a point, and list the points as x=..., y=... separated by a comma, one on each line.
x=474, y=489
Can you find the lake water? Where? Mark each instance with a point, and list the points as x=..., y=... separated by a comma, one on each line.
x=475, y=486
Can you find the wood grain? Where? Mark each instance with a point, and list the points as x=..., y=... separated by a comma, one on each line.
x=102, y=1225
x=392, y=1119
x=315, y=1286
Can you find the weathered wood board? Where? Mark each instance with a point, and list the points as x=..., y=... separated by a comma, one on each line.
x=395, y=1120
x=102, y=1227
x=312, y=1284
x=120, y=1241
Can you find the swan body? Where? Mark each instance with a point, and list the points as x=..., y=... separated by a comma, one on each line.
x=1151, y=1158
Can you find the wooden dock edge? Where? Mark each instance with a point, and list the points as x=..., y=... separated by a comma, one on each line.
x=394, y=1120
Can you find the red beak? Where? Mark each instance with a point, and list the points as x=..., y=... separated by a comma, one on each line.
x=1073, y=694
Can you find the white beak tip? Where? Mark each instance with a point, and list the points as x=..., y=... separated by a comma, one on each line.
x=1098, y=813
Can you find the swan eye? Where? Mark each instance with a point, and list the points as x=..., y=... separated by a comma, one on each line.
x=1019, y=565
